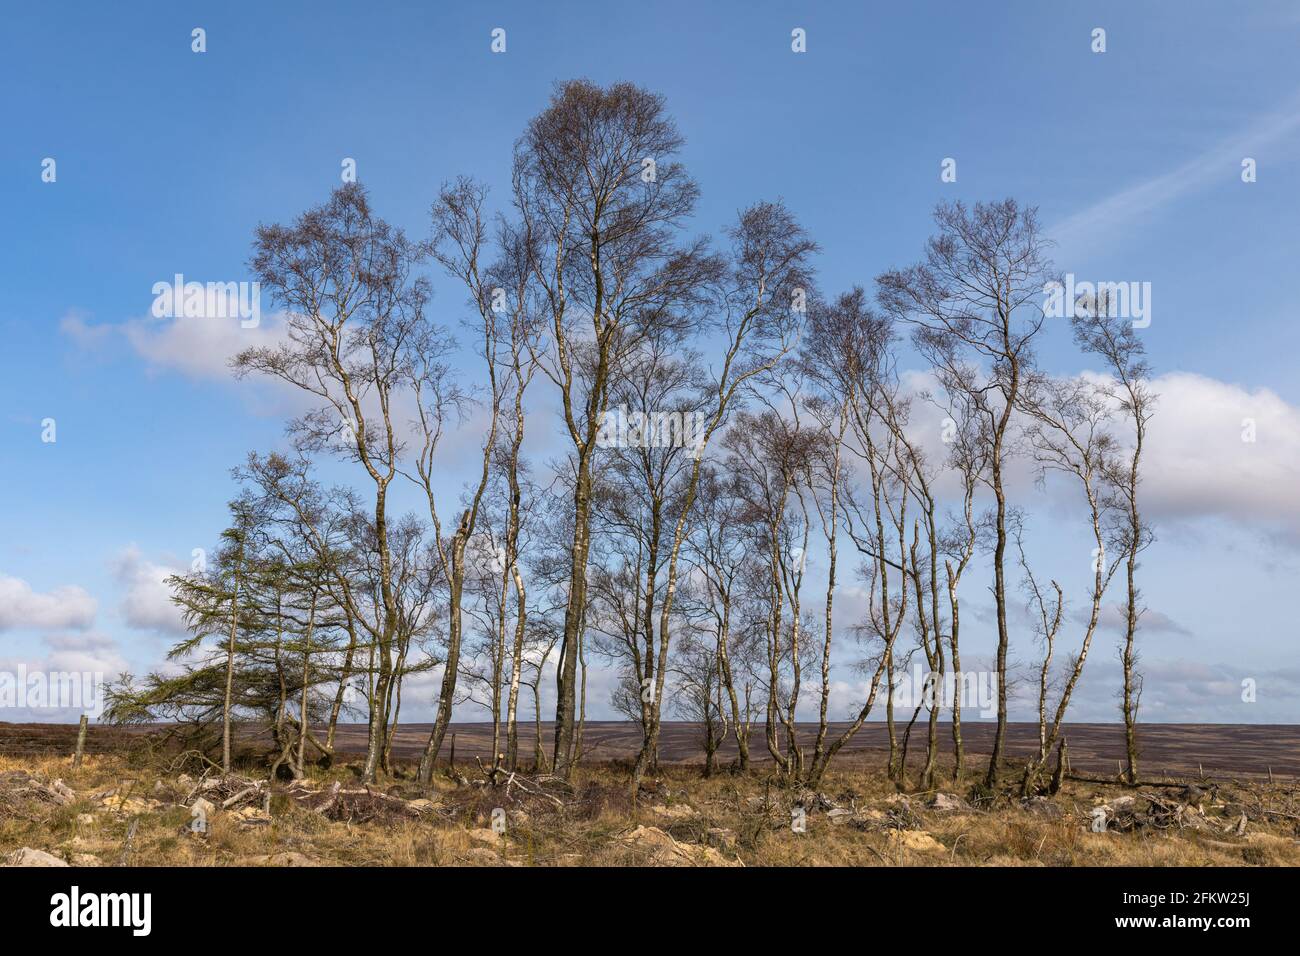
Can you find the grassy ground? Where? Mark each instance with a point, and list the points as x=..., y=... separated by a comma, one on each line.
x=857, y=819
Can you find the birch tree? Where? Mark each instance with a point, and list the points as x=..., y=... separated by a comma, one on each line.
x=598, y=190
x=976, y=304
x=345, y=278
x=1113, y=339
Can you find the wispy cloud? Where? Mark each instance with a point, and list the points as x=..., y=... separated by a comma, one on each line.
x=1220, y=161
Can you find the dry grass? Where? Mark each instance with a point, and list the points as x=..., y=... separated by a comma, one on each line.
x=749, y=817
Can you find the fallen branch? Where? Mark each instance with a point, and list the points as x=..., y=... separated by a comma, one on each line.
x=248, y=791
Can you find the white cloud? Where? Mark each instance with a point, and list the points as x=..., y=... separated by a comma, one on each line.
x=1198, y=465
x=147, y=604
x=62, y=684
x=198, y=346
x=92, y=652
x=86, y=336
x=1114, y=617
x=22, y=607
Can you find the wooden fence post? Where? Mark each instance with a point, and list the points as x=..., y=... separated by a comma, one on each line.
x=81, y=743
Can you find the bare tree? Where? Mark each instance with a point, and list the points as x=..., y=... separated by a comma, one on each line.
x=345, y=278
x=719, y=555
x=1068, y=435
x=698, y=693
x=600, y=196
x=968, y=456
x=976, y=304
x=1099, y=331
x=1047, y=611
x=762, y=301
x=460, y=235
x=847, y=353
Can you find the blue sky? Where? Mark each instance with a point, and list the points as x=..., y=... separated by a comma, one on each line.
x=168, y=159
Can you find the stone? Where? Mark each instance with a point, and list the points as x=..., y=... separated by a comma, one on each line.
x=29, y=857
x=62, y=793
x=721, y=837
x=948, y=803
x=251, y=816
x=665, y=851
x=678, y=812
x=915, y=840
x=129, y=805
x=1043, y=807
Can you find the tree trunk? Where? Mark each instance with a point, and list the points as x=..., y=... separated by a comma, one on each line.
x=230, y=673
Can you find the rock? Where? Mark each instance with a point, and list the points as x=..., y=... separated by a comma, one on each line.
x=651, y=837
x=86, y=819
x=708, y=856
x=251, y=816
x=29, y=857
x=282, y=858
x=916, y=840
x=948, y=803
x=839, y=815
x=129, y=805
x=485, y=835
x=721, y=837
x=62, y=793
x=679, y=812
x=1043, y=807
x=665, y=851
x=204, y=807
x=1124, y=804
